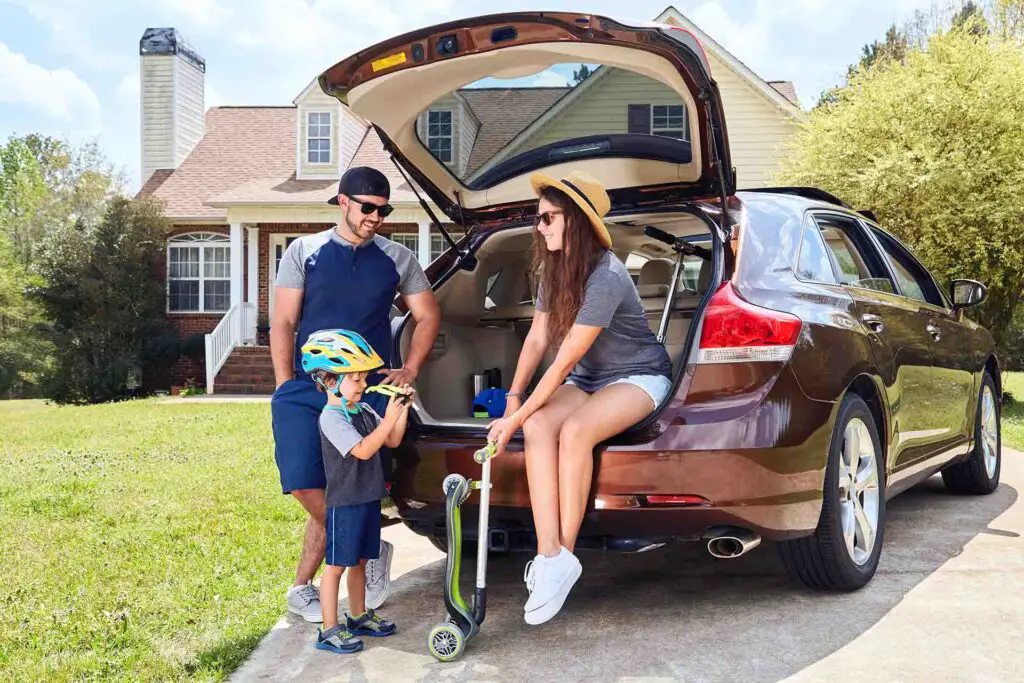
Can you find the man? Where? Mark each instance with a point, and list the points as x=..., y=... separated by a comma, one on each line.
x=313, y=291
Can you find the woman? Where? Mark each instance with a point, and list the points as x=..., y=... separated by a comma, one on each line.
x=609, y=373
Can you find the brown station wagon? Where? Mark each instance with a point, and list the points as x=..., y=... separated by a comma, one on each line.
x=819, y=369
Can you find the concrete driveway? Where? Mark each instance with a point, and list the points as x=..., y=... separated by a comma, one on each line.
x=947, y=604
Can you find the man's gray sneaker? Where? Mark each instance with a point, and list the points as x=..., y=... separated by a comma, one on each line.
x=304, y=600
x=378, y=577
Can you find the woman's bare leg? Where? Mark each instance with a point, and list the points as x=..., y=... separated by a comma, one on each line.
x=604, y=414
x=541, y=434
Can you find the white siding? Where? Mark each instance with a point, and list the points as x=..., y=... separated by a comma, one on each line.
x=189, y=108
x=757, y=128
x=157, y=113
x=465, y=134
x=353, y=130
x=318, y=101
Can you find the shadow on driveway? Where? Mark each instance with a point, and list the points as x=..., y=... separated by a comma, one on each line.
x=671, y=614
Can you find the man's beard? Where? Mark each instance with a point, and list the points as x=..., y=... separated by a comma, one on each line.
x=358, y=227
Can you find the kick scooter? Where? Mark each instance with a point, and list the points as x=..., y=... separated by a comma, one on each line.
x=447, y=640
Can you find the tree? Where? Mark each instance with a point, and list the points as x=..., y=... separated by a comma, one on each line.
x=23, y=355
x=580, y=75
x=933, y=144
x=892, y=49
x=103, y=305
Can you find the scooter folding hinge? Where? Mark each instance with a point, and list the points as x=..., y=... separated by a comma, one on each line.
x=477, y=485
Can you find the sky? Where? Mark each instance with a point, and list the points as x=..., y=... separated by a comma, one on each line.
x=70, y=68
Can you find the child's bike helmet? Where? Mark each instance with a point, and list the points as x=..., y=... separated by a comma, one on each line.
x=338, y=352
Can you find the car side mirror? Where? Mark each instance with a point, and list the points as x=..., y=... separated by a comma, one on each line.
x=967, y=293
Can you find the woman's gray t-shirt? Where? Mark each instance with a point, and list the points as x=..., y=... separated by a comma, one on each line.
x=626, y=346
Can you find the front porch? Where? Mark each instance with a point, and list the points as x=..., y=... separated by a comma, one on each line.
x=237, y=355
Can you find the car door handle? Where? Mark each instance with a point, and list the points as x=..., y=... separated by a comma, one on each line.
x=874, y=322
x=934, y=331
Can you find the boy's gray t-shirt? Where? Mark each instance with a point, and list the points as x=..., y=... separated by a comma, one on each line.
x=350, y=481
x=626, y=346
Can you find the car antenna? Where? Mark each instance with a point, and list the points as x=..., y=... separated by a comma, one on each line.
x=426, y=207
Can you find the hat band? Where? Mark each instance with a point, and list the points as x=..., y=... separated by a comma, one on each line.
x=580, y=193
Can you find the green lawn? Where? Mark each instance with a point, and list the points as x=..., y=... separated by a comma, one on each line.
x=139, y=541
x=1013, y=414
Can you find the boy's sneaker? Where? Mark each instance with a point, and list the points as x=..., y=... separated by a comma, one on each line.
x=369, y=624
x=378, y=577
x=337, y=640
x=304, y=600
x=549, y=580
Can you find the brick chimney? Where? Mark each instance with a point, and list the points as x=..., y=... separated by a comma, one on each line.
x=172, y=91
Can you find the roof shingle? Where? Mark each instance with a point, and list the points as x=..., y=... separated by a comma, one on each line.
x=241, y=145
x=786, y=89
x=503, y=114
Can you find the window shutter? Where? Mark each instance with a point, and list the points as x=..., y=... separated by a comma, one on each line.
x=639, y=119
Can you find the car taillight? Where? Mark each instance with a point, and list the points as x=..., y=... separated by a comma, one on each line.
x=737, y=331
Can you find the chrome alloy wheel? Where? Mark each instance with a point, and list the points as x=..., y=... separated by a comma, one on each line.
x=989, y=432
x=858, y=491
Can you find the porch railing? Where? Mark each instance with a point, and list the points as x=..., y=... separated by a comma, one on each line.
x=237, y=326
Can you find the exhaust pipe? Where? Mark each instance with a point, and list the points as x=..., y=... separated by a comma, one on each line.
x=733, y=543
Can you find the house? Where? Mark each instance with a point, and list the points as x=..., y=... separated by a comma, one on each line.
x=240, y=183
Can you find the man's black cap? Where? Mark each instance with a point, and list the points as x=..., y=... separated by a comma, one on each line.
x=362, y=180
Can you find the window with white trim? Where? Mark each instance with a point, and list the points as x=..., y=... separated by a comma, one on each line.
x=669, y=120
x=409, y=240
x=439, y=245
x=439, y=135
x=318, y=137
x=198, y=273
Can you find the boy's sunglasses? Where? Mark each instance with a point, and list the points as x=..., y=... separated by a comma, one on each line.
x=384, y=210
x=545, y=217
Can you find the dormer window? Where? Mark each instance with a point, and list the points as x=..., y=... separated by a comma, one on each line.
x=318, y=137
x=439, y=135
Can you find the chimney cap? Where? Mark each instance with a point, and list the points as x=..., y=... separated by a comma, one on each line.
x=169, y=41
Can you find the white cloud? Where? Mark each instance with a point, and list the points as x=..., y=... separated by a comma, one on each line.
x=68, y=21
x=59, y=95
x=129, y=88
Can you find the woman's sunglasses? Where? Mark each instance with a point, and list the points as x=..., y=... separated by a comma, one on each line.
x=384, y=210
x=545, y=217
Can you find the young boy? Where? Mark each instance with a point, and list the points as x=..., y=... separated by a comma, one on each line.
x=351, y=434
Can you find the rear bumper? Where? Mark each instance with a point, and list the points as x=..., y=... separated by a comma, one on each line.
x=757, y=464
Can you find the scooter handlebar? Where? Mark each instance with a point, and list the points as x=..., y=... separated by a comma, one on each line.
x=485, y=453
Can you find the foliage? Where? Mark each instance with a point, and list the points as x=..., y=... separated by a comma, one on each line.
x=103, y=304
x=933, y=145
x=135, y=546
x=22, y=353
x=580, y=75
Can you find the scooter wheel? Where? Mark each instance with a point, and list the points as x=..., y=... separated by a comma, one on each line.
x=446, y=642
x=450, y=482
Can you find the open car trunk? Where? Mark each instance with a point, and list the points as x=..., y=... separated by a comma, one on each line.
x=486, y=312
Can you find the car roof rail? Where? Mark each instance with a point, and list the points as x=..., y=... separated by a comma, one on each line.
x=806, y=192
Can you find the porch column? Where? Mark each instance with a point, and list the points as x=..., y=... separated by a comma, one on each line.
x=424, y=230
x=253, y=268
x=236, y=276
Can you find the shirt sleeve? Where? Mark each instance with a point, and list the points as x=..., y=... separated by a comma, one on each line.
x=339, y=431
x=601, y=299
x=411, y=278
x=538, y=301
x=292, y=271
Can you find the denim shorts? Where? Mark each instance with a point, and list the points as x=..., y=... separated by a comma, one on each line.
x=655, y=386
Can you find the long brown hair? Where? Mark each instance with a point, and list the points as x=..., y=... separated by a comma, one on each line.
x=563, y=274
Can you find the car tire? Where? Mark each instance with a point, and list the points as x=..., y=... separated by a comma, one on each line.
x=830, y=559
x=979, y=473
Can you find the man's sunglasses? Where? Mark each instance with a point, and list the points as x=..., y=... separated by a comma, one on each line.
x=545, y=217
x=384, y=210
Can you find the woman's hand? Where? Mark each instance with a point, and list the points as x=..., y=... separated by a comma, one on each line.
x=502, y=431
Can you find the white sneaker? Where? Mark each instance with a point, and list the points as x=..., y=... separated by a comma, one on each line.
x=378, y=577
x=305, y=601
x=549, y=580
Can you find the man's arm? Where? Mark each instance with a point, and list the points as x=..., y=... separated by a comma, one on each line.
x=287, y=307
x=427, y=314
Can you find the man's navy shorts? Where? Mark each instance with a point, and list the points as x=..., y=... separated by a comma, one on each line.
x=295, y=417
x=353, y=534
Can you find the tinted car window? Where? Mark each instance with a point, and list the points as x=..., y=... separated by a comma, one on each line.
x=914, y=281
x=814, y=263
x=856, y=261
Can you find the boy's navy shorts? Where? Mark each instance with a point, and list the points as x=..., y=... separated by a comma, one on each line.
x=353, y=534
x=295, y=418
